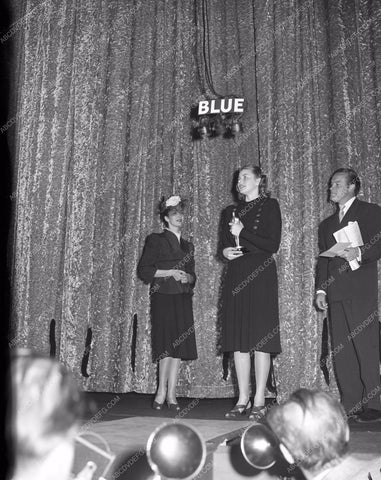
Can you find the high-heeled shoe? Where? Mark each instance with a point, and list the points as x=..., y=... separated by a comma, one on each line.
x=258, y=412
x=239, y=409
x=173, y=406
x=157, y=406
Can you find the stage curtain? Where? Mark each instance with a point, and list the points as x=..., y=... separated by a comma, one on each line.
x=102, y=131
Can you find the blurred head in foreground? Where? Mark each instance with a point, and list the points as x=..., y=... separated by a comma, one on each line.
x=46, y=410
x=313, y=428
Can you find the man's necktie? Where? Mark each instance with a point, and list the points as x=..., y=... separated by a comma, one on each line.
x=341, y=213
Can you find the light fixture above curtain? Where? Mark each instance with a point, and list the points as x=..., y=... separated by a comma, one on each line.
x=225, y=122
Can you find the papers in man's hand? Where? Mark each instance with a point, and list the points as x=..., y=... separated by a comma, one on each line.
x=336, y=249
x=350, y=236
x=351, y=233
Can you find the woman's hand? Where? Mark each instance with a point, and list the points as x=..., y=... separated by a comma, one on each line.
x=180, y=276
x=236, y=227
x=231, y=253
x=190, y=278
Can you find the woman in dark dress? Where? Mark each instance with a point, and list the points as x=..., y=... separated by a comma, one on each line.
x=167, y=264
x=250, y=319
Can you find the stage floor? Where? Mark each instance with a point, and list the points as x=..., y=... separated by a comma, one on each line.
x=126, y=421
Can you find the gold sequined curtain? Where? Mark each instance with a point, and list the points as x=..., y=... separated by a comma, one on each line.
x=318, y=71
x=104, y=91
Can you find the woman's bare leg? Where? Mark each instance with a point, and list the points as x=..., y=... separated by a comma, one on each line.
x=173, y=373
x=262, y=369
x=242, y=366
x=164, y=366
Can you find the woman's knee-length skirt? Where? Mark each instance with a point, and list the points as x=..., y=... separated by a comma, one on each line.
x=173, y=333
x=250, y=313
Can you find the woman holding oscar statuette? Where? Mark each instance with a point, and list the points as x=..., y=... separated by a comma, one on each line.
x=251, y=233
x=167, y=263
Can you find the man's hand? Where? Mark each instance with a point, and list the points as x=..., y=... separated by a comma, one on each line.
x=321, y=302
x=350, y=253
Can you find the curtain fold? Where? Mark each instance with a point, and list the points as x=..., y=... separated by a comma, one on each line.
x=104, y=94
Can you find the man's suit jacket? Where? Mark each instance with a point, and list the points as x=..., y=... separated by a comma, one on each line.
x=163, y=251
x=334, y=275
x=356, y=467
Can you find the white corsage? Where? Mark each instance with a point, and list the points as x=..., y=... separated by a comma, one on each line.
x=173, y=201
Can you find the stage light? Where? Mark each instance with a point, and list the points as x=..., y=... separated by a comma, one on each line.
x=221, y=112
x=176, y=451
x=213, y=125
x=203, y=131
x=228, y=133
x=236, y=127
x=260, y=446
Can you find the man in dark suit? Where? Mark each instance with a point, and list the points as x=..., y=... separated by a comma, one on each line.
x=351, y=296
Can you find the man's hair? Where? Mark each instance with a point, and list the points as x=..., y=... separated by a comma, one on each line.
x=315, y=437
x=47, y=404
x=352, y=178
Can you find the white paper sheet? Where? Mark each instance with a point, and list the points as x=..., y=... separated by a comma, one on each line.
x=352, y=234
